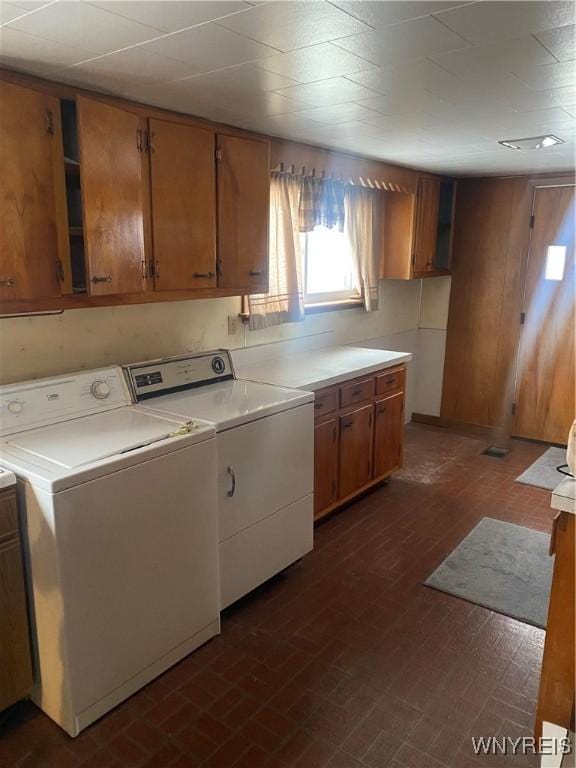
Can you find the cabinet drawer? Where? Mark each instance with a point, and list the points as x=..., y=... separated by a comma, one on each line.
x=386, y=382
x=325, y=402
x=8, y=514
x=356, y=393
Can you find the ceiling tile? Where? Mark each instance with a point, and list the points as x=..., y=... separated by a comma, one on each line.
x=242, y=78
x=31, y=5
x=9, y=12
x=76, y=23
x=18, y=49
x=380, y=14
x=317, y=62
x=326, y=93
x=496, y=58
x=561, y=42
x=414, y=39
x=171, y=15
x=407, y=102
x=133, y=66
x=542, y=78
x=341, y=113
x=209, y=47
x=487, y=22
x=287, y=25
x=415, y=76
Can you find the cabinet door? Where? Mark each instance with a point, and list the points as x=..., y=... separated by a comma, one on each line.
x=115, y=197
x=325, y=464
x=183, y=184
x=32, y=195
x=388, y=434
x=243, y=213
x=355, y=449
x=426, y=225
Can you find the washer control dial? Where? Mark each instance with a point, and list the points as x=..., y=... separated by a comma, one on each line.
x=99, y=389
x=218, y=365
x=14, y=406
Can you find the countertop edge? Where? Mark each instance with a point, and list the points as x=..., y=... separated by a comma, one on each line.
x=564, y=501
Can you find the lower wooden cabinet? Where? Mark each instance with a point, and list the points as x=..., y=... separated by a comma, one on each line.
x=355, y=449
x=325, y=464
x=358, y=436
x=388, y=433
x=15, y=664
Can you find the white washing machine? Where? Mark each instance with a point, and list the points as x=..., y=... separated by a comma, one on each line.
x=119, y=511
x=265, y=445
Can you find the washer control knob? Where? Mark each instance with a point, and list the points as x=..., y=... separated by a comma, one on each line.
x=218, y=365
x=15, y=407
x=100, y=390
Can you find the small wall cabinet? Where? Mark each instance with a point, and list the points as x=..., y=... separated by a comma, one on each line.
x=125, y=204
x=417, y=230
x=15, y=663
x=358, y=436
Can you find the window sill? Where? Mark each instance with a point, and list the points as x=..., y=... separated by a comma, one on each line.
x=332, y=306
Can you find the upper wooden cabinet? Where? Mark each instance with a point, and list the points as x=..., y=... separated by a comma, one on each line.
x=115, y=198
x=183, y=185
x=417, y=230
x=243, y=200
x=33, y=242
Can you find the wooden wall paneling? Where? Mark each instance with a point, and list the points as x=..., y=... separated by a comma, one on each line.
x=243, y=179
x=183, y=191
x=33, y=241
x=490, y=239
x=115, y=197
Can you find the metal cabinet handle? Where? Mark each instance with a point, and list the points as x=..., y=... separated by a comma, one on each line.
x=9, y=282
x=232, y=490
x=357, y=391
x=257, y=272
x=391, y=380
x=102, y=279
x=346, y=424
x=204, y=275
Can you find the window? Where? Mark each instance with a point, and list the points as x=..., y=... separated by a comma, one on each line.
x=327, y=267
x=555, y=262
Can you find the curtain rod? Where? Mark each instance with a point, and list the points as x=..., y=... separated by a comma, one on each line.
x=374, y=184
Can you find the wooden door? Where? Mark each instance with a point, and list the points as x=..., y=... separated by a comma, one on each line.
x=115, y=197
x=388, y=434
x=355, y=468
x=183, y=186
x=243, y=213
x=426, y=226
x=545, y=402
x=325, y=464
x=33, y=239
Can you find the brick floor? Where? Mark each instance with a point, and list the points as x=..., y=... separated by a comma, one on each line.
x=345, y=661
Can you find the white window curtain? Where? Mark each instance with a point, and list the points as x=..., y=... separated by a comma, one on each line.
x=360, y=222
x=284, y=302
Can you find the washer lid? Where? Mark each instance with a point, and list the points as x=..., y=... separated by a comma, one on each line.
x=82, y=441
x=230, y=403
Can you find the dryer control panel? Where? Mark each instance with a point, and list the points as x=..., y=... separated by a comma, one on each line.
x=40, y=402
x=157, y=377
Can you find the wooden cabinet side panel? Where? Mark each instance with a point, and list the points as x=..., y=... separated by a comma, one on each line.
x=115, y=198
x=183, y=189
x=31, y=194
x=556, y=696
x=243, y=179
x=15, y=661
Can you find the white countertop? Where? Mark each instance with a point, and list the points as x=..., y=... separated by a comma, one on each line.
x=319, y=368
x=564, y=496
x=7, y=478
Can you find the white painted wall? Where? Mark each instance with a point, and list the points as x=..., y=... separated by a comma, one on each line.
x=31, y=347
